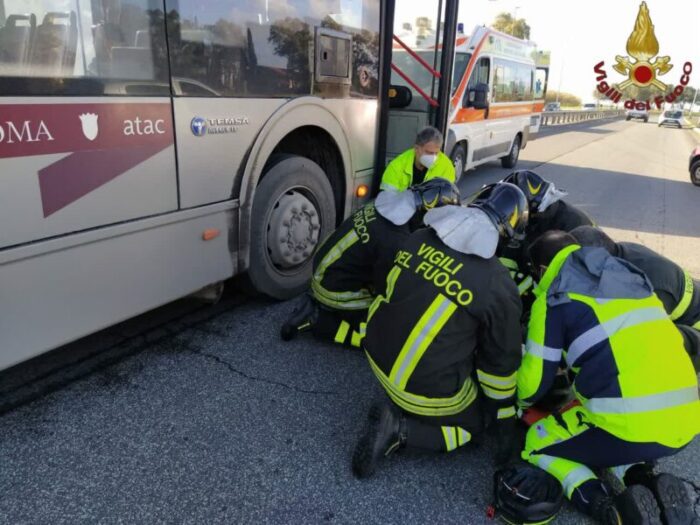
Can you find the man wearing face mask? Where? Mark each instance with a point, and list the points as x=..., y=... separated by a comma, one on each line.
x=424, y=161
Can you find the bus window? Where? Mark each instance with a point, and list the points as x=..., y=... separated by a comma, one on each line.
x=260, y=48
x=52, y=48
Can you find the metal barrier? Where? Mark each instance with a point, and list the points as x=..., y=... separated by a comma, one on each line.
x=554, y=118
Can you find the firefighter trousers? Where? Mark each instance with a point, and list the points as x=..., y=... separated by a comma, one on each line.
x=345, y=327
x=444, y=433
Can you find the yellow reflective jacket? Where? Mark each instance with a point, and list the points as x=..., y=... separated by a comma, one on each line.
x=598, y=315
x=399, y=173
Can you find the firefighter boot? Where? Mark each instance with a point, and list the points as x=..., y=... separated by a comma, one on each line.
x=670, y=493
x=674, y=501
x=603, y=509
x=302, y=319
x=385, y=433
x=637, y=506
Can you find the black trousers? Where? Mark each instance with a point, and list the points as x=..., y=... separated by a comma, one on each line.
x=345, y=327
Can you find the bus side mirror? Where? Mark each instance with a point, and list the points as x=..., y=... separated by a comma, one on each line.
x=478, y=97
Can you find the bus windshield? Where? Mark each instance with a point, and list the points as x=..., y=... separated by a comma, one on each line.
x=421, y=76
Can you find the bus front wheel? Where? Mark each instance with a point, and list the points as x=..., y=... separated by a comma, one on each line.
x=293, y=210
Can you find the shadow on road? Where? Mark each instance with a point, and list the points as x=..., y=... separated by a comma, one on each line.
x=616, y=199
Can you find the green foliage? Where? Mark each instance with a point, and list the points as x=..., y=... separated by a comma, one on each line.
x=565, y=99
x=505, y=23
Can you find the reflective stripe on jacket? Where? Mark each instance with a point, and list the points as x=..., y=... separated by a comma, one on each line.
x=351, y=265
x=399, y=173
x=632, y=371
x=447, y=326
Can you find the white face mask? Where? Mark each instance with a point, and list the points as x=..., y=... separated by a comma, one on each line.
x=427, y=160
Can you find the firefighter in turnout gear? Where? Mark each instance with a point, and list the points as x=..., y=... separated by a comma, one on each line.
x=637, y=389
x=444, y=339
x=423, y=162
x=350, y=267
x=678, y=291
x=547, y=209
x=547, y=212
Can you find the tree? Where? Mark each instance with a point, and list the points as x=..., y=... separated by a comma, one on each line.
x=565, y=99
x=505, y=23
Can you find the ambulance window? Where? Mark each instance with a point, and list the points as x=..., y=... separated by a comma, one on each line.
x=52, y=47
x=480, y=75
x=541, y=77
x=512, y=81
x=461, y=63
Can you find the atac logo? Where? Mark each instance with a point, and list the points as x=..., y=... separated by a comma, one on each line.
x=642, y=67
x=89, y=124
x=199, y=126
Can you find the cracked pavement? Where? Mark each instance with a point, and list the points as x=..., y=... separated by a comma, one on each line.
x=212, y=419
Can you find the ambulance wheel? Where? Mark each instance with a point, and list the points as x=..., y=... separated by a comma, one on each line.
x=512, y=158
x=459, y=159
x=293, y=210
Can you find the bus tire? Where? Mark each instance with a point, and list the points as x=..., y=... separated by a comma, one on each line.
x=459, y=158
x=510, y=160
x=293, y=210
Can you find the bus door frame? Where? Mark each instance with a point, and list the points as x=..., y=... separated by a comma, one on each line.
x=440, y=116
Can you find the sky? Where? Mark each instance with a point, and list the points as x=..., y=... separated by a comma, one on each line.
x=582, y=33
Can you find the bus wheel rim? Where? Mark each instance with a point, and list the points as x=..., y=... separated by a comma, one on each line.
x=293, y=230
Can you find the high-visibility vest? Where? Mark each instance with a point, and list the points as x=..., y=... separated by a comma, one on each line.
x=647, y=390
x=399, y=173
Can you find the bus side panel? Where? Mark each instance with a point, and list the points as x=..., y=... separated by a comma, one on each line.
x=71, y=164
x=209, y=160
x=49, y=299
x=213, y=138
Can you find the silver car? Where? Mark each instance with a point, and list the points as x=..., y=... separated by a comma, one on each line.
x=671, y=118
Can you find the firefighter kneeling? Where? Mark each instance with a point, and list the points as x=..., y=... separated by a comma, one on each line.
x=350, y=267
x=444, y=338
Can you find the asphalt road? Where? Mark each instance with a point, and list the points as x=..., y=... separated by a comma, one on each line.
x=215, y=420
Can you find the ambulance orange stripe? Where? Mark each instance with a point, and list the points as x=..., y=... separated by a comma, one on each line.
x=495, y=112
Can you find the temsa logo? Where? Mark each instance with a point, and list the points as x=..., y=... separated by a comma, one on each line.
x=28, y=131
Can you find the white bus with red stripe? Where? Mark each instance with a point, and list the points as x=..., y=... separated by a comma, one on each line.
x=151, y=149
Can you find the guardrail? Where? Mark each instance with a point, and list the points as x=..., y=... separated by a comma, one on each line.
x=554, y=118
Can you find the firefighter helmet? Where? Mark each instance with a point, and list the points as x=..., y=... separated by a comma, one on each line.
x=434, y=193
x=532, y=185
x=525, y=494
x=506, y=206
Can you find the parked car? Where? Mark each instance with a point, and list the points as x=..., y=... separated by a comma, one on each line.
x=642, y=114
x=694, y=165
x=673, y=117
x=553, y=106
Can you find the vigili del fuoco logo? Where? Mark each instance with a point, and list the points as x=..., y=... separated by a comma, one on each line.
x=642, y=67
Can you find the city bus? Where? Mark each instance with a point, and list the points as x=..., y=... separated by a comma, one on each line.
x=152, y=149
x=498, y=88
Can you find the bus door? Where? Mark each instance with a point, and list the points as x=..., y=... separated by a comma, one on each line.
x=86, y=133
x=416, y=79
